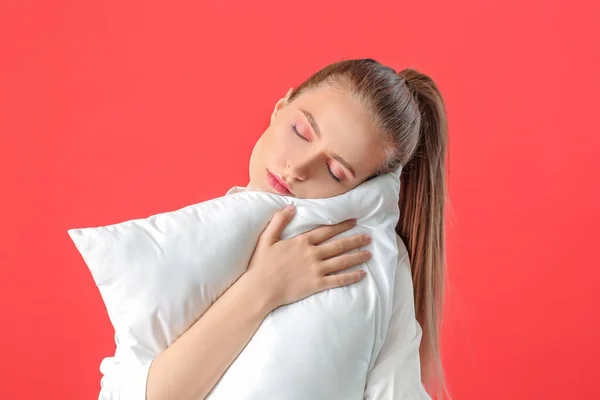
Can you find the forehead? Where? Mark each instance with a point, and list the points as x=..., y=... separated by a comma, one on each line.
x=346, y=127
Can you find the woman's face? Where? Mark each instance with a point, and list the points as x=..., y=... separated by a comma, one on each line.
x=322, y=144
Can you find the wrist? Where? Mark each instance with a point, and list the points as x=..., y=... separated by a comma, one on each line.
x=262, y=301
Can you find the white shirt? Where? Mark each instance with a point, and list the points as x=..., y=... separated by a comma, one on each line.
x=396, y=374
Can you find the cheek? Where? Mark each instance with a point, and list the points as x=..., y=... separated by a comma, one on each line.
x=266, y=148
x=274, y=148
x=280, y=145
x=257, y=155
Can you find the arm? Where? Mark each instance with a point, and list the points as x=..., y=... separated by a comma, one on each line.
x=396, y=373
x=194, y=363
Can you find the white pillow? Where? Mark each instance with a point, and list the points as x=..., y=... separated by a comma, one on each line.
x=158, y=275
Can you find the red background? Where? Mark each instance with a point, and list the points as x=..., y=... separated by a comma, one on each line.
x=121, y=109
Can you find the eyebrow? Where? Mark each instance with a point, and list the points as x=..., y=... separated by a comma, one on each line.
x=313, y=123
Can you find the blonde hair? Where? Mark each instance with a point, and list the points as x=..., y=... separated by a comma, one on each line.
x=409, y=111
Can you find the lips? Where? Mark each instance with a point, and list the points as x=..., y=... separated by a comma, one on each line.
x=278, y=184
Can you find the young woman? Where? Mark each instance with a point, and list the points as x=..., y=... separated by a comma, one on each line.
x=347, y=123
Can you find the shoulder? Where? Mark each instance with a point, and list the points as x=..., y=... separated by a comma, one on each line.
x=397, y=372
x=402, y=249
x=403, y=283
x=403, y=268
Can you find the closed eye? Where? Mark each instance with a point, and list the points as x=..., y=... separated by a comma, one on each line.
x=295, y=130
x=298, y=133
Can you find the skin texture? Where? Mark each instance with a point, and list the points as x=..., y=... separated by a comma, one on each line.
x=346, y=130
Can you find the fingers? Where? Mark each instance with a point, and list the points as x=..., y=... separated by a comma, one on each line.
x=340, y=246
x=322, y=233
x=344, y=261
x=333, y=281
x=272, y=233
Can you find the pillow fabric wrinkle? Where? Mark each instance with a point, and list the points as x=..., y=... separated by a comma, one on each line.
x=158, y=275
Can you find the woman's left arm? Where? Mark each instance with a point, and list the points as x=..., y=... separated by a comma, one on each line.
x=396, y=373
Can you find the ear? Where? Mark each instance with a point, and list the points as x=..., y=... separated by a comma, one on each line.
x=281, y=103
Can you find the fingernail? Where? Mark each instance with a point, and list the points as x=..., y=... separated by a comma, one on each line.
x=367, y=238
x=363, y=273
x=290, y=208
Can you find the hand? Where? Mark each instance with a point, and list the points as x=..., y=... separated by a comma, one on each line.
x=290, y=270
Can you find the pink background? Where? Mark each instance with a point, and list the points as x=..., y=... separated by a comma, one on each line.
x=116, y=110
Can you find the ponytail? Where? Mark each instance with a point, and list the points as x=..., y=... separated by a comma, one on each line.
x=421, y=224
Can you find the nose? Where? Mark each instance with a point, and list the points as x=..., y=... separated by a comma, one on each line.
x=297, y=172
x=299, y=168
